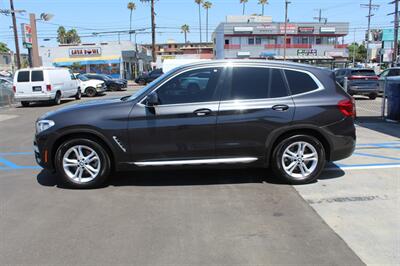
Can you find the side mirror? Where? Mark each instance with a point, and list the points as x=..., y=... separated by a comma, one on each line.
x=152, y=99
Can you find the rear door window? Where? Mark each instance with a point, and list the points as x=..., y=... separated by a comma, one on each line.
x=23, y=76
x=363, y=72
x=37, y=75
x=300, y=82
x=256, y=83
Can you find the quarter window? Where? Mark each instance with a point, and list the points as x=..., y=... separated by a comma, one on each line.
x=37, y=75
x=23, y=76
x=198, y=85
x=300, y=82
x=256, y=83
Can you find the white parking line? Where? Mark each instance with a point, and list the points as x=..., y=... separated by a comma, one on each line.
x=363, y=167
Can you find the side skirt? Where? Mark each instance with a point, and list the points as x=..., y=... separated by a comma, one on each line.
x=198, y=161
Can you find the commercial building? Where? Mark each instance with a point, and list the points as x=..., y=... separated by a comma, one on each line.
x=260, y=37
x=118, y=59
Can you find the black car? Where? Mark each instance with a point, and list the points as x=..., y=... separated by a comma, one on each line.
x=111, y=83
x=145, y=77
x=290, y=117
x=360, y=81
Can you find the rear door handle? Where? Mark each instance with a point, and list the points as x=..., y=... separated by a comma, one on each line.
x=280, y=107
x=202, y=112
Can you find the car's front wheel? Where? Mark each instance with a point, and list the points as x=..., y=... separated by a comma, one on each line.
x=298, y=159
x=82, y=163
x=90, y=92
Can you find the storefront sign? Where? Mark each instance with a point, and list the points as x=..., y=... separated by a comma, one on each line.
x=92, y=51
x=267, y=28
x=26, y=35
x=290, y=28
x=307, y=52
x=305, y=30
x=328, y=30
x=243, y=29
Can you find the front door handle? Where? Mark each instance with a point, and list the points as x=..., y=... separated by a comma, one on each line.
x=280, y=107
x=202, y=112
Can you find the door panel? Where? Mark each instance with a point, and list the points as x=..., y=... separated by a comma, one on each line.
x=182, y=125
x=257, y=103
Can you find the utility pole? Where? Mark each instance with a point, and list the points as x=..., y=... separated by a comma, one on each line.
x=287, y=2
x=370, y=6
x=396, y=31
x=35, y=45
x=153, y=33
x=14, y=21
x=320, y=18
x=354, y=49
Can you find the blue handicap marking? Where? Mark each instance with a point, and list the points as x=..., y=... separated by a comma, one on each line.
x=8, y=165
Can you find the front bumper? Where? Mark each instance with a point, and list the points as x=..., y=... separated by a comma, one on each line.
x=101, y=89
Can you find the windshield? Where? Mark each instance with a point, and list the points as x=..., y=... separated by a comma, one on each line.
x=363, y=72
x=108, y=76
x=82, y=77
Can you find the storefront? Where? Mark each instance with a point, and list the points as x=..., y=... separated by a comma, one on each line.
x=104, y=58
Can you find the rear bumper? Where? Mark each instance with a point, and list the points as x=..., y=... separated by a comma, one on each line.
x=33, y=97
x=342, y=139
x=363, y=90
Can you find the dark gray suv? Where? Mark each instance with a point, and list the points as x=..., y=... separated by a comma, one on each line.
x=289, y=117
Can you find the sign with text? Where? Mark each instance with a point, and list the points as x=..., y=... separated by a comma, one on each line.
x=327, y=30
x=270, y=28
x=26, y=35
x=90, y=51
x=305, y=30
x=307, y=52
x=290, y=28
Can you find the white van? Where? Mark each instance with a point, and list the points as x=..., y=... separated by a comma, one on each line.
x=45, y=84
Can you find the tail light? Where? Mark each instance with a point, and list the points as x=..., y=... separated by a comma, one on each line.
x=347, y=107
x=15, y=89
x=48, y=87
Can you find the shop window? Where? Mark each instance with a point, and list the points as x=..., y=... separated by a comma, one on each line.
x=226, y=41
x=251, y=41
x=258, y=40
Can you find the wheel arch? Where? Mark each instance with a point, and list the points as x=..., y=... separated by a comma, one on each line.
x=86, y=133
x=274, y=139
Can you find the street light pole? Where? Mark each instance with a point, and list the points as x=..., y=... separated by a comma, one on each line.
x=287, y=2
x=14, y=21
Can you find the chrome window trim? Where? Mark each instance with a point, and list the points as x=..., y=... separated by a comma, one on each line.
x=237, y=64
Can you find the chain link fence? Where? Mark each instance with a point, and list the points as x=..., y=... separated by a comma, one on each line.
x=6, y=95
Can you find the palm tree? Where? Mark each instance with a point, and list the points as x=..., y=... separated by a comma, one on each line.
x=243, y=2
x=207, y=5
x=131, y=6
x=263, y=3
x=185, y=30
x=199, y=2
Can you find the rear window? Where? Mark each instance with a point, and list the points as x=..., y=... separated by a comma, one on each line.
x=37, y=75
x=23, y=76
x=363, y=72
x=300, y=82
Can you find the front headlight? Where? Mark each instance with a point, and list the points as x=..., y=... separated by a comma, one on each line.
x=43, y=125
x=99, y=85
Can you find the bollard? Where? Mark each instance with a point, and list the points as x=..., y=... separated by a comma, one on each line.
x=345, y=84
x=384, y=99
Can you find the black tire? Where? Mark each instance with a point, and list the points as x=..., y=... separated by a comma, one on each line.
x=78, y=95
x=25, y=104
x=90, y=92
x=372, y=96
x=105, y=164
x=277, y=158
x=57, y=99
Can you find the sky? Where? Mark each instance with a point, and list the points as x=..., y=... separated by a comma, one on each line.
x=88, y=16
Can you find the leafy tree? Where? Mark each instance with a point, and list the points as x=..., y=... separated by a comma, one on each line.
x=207, y=5
x=262, y=3
x=131, y=6
x=67, y=37
x=357, y=51
x=185, y=29
x=4, y=48
x=199, y=2
x=243, y=2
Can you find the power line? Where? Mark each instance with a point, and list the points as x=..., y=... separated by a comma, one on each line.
x=370, y=7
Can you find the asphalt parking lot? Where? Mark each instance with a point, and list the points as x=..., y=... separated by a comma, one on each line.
x=201, y=217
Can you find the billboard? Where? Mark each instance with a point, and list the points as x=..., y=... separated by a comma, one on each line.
x=26, y=35
x=388, y=35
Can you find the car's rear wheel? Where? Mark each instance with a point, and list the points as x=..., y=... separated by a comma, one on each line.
x=298, y=159
x=78, y=95
x=25, y=103
x=57, y=99
x=82, y=163
x=90, y=92
x=372, y=96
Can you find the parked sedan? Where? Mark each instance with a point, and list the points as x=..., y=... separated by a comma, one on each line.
x=91, y=87
x=361, y=81
x=389, y=72
x=147, y=77
x=6, y=91
x=112, y=84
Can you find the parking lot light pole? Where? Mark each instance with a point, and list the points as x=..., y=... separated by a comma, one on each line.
x=287, y=2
